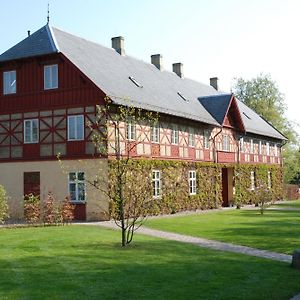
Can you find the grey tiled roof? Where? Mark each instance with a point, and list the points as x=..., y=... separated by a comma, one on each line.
x=159, y=89
x=216, y=105
x=39, y=43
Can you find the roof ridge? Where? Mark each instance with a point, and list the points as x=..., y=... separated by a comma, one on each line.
x=51, y=35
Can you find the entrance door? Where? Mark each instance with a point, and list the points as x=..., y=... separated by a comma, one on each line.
x=227, y=186
x=32, y=183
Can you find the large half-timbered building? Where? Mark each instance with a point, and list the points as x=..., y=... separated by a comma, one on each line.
x=50, y=84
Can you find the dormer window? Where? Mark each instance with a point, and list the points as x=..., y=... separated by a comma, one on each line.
x=9, y=82
x=50, y=77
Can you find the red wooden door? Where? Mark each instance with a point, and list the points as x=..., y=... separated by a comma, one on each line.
x=32, y=183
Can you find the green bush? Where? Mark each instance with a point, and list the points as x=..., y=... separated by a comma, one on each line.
x=3, y=205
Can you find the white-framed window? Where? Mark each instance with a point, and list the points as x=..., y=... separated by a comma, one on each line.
x=75, y=128
x=269, y=180
x=267, y=148
x=130, y=131
x=259, y=148
x=191, y=137
x=275, y=150
x=9, y=82
x=50, y=77
x=174, y=135
x=251, y=146
x=242, y=144
x=226, y=144
x=31, y=131
x=252, y=180
x=155, y=134
x=156, y=183
x=206, y=139
x=192, y=183
x=77, y=186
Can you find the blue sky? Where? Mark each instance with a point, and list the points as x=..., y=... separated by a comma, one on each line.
x=223, y=38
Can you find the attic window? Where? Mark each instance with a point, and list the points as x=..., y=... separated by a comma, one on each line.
x=135, y=82
x=183, y=97
x=246, y=115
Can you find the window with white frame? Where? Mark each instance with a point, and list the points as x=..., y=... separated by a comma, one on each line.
x=252, y=180
x=77, y=186
x=130, y=131
x=50, y=77
x=269, y=180
x=267, y=148
x=275, y=150
x=242, y=144
x=31, y=131
x=75, y=128
x=9, y=82
x=226, y=144
x=206, y=139
x=174, y=135
x=251, y=146
x=192, y=183
x=259, y=148
x=191, y=137
x=155, y=134
x=156, y=183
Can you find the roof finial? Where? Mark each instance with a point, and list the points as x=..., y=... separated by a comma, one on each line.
x=48, y=14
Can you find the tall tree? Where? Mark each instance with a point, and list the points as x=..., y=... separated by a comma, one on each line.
x=263, y=96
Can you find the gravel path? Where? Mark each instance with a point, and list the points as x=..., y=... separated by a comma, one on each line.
x=211, y=244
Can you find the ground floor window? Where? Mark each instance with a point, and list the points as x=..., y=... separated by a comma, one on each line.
x=156, y=183
x=252, y=180
x=77, y=186
x=269, y=180
x=192, y=182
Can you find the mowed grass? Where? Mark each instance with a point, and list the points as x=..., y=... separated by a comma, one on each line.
x=289, y=204
x=86, y=262
x=275, y=230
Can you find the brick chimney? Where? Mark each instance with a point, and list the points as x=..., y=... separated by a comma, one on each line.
x=156, y=60
x=117, y=43
x=178, y=69
x=214, y=82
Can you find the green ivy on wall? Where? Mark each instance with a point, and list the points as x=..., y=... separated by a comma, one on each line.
x=175, y=187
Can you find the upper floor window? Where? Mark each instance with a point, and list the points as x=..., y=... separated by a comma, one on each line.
x=75, y=127
x=50, y=77
x=130, y=131
x=9, y=82
x=259, y=148
x=192, y=182
x=251, y=146
x=155, y=134
x=275, y=150
x=77, y=186
x=156, y=183
x=267, y=148
x=225, y=142
x=191, y=138
x=174, y=135
x=242, y=144
x=31, y=131
x=206, y=139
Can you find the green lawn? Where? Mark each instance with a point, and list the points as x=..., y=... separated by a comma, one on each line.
x=86, y=262
x=294, y=204
x=275, y=230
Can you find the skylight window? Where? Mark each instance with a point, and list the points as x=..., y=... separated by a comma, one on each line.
x=183, y=97
x=246, y=115
x=135, y=81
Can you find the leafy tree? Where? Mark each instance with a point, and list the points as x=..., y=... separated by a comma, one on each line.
x=264, y=97
x=3, y=205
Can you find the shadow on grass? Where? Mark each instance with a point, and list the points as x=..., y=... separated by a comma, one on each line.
x=148, y=269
